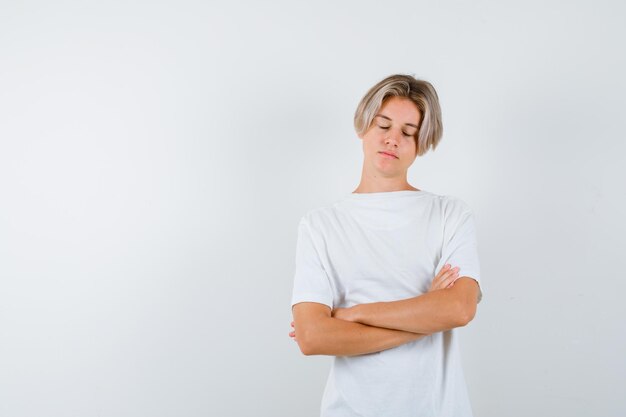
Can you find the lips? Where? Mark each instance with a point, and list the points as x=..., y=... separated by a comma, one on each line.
x=388, y=153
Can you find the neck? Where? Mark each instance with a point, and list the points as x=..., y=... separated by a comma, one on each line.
x=381, y=185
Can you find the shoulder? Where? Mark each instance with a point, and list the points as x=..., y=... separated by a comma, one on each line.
x=319, y=218
x=315, y=214
x=453, y=206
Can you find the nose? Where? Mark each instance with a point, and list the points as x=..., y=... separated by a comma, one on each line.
x=392, y=138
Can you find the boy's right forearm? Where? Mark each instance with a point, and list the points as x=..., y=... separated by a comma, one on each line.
x=332, y=336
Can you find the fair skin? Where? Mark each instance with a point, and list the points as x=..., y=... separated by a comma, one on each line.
x=373, y=327
x=339, y=332
x=393, y=129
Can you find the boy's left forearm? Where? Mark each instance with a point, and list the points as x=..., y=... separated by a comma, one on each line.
x=431, y=312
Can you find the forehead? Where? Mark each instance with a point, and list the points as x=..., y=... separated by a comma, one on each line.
x=400, y=109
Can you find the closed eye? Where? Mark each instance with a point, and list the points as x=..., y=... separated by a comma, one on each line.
x=404, y=133
x=408, y=135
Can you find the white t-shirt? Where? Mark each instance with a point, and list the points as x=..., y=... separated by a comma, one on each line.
x=387, y=246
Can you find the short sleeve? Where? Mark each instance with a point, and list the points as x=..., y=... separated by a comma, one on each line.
x=311, y=282
x=460, y=246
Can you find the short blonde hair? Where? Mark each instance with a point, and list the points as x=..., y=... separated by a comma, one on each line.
x=420, y=92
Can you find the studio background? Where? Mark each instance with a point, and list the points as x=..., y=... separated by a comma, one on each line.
x=156, y=157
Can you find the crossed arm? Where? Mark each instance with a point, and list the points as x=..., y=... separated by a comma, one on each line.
x=372, y=327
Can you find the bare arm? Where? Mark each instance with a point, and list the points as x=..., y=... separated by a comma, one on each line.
x=434, y=311
x=318, y=333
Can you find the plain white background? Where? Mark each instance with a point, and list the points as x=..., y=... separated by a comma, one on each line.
x=155, y=158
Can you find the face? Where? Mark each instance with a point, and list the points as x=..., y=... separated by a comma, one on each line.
x=394, y=131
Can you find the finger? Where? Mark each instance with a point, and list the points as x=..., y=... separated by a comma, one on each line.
x=444, y=275
x=449, y=276
x=450, y=279
x=443, y=270
x=437, y=280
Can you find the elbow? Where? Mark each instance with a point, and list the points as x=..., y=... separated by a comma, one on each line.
x=304, y=343
x=465, y=314
x=307, y=352
x=310, y=328
x=305, y=349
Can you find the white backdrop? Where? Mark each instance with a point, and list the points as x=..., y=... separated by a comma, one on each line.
x=155, y=158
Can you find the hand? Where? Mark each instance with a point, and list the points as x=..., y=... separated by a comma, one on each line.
x=445, y=278
x=293, y=333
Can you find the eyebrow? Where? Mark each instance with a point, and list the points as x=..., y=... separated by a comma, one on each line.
x=385, y=117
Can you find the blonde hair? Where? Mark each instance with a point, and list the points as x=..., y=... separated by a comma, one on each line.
x=420, y=92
